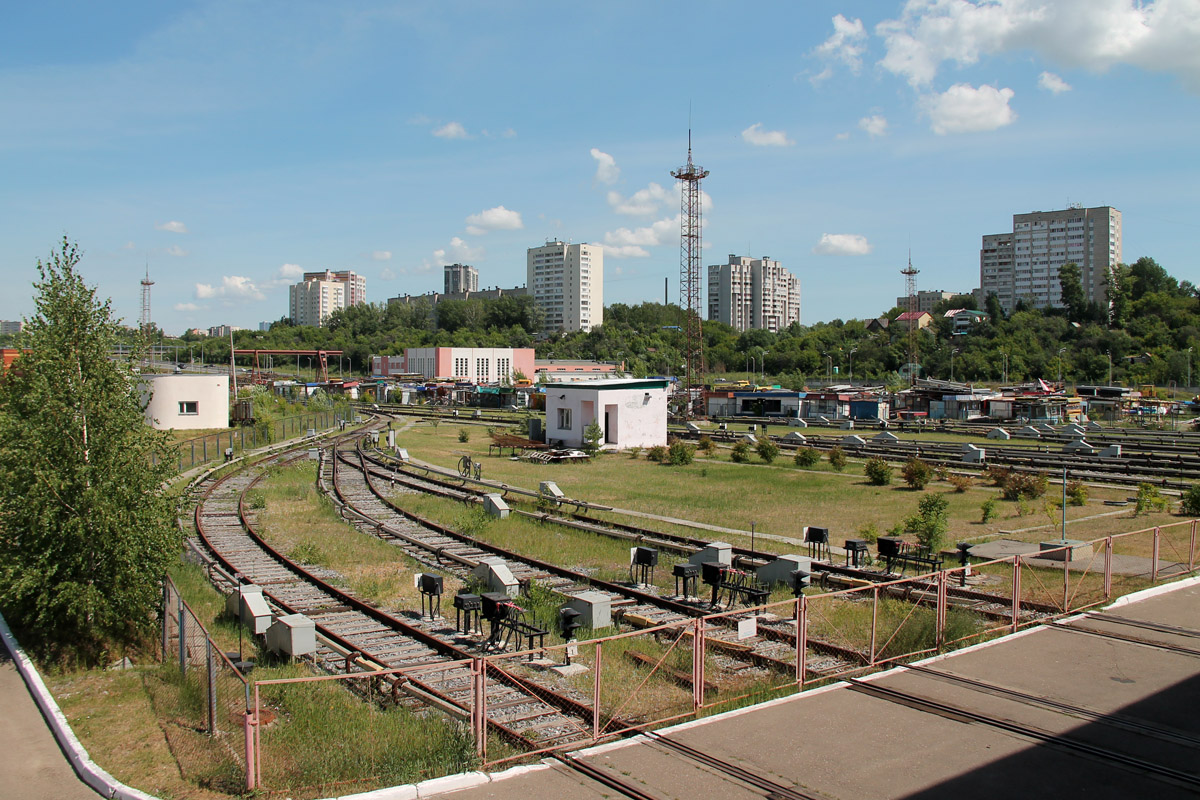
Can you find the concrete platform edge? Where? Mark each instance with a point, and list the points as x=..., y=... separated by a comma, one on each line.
x=88, y=771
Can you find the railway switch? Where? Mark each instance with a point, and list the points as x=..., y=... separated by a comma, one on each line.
x=430, y=587
x=467, y=608
x=642, y=561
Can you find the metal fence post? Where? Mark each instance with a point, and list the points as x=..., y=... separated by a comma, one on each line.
x=257, y=739
x=193, y=453
x=1066, y=579
x=1192, y=549
x=940, y=633
x=182, y=639
x=801, y=639
x=248, y=733
x=698, y=666
x=1108, y=567
x=166, y=614
x=212, y=687
x=596, y=693
x=874, y=622
x=1154, y=555
x=1016, y=592
x=204, y=444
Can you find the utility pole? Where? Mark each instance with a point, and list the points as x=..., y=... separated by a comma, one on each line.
x=690, y=254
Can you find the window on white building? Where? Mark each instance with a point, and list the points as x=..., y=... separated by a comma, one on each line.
x=564, y=419
x=189, y=407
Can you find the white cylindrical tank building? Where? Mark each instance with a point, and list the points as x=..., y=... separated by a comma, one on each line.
x=187, y=402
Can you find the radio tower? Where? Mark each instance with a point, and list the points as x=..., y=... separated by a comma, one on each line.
x=689, y=275
x=910, y=290
x=146, y=284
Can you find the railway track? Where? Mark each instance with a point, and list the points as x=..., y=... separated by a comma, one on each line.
x=358, y=637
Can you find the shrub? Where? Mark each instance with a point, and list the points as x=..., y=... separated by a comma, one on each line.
x=768, y=451
x=1149, y=499
x=837, y=458
x=1022, y=486
x=680, y=453
x=307, y=553
x=990, y=512
x=878, y=471
x=930, y=523
x=1023, y=508
x=870, y=532
x=1077, y=493
x=593, y=435
x=941, y=472
x=657, y=454
x=960, y=482
x=997, y=475
x=1190, y=502
x=464, y=435
x=740, y=453
x=634, y=452
x=706, y=445
x=917, y=474
x=809, y=457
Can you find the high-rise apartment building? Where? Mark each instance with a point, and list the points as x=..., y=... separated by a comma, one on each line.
x=566, y=282
x=356, y=285
x=8, y=327
x=461, y=278
x=926, y=300
x=1023, y=265
x=752, y=293
x=312, y=301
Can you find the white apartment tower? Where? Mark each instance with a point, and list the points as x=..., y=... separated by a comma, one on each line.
x=356, y=285
x=312, y=301
x=566, y=282
x=461, y=278
x=752, y=293
x=1023, y=265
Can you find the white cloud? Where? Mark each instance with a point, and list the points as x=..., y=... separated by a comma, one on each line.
x=128, y=246
x=607, y=170
x=626, y=242
x=233, y=287
x=842, y=244
x=457, y=251
x=845, y=45
x=286, y=275
x=875, y=125
x=1052, y=83
x=821, y=76
x=625, y=251
x=387, y=274
x=843, y=136
x=451, y=130
x=964, y=109
x=643, y=203
x=1094, y=34
x=174, y=226
x=177, y=251
x=381, y=255
x=756, y=136
x=186, y=307
x=494, y=219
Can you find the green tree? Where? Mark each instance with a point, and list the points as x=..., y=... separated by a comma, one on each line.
x=930, y=523
x=1070, y=283
x=85, y=532
x=878, y=471
x=593, y=434
x=767, y=450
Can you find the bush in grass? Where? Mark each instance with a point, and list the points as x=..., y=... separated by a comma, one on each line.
x=960, y=482
x=593, y=434
x=634, y=452
x=740, y=453
x=1022, y=486
x=1023, y=508
x=706, y=445
x=837, y=458
x=809, y=457
x=870, y=532
x=1190, y=502
x=1149, y=499
x=680, y=453
x=930, y=523
x=1077, y=493
x=307, y=553
x=767, y=450
x=941, y=472
x=464, y=435
x=997, y=475
x=878, y=471
x=917, y=474
x=989, y=509
x=657, y=454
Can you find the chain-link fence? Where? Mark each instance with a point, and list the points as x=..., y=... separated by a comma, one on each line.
x=236, y=441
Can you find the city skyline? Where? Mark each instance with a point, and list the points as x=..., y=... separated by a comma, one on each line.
x=232, y=148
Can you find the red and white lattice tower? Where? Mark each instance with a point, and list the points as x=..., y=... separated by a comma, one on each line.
x=145, y=321
x=910, y=291
x=690, y=277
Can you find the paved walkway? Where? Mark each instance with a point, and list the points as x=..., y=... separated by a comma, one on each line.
x=1079, y=690
x=31, y=763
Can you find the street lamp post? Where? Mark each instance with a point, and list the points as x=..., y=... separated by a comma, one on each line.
x=1189, y=381
x=852, y=351
x=753, y=366
x=1109, y=354
x=828, y=369
x=1006, y=367
x=1061, y=350
x=762, y=367
x=952, y=352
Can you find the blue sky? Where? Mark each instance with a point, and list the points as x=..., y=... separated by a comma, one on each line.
x=231, y=145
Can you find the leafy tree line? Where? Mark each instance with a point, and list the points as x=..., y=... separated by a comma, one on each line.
x=1144, y=333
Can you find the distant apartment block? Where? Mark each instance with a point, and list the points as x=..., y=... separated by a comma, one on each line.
x=223, y=330
x=8, y=327
x=477, y=364
x=264, y=326
x=433, y=298
x=322, y=293
x=927, y=300
x=1024, y=265
x=461, y=278
x=753, y=293
x=566, y=282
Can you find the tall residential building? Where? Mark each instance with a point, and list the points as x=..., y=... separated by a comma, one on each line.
x=751, y=293
x=312, y=301
x=356, y=285
x=926, y=300
x=461, y=278
x=566, y=282
x=1024, y=265
x=11, y=326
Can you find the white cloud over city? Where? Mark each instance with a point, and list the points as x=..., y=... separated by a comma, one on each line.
x=966, y=109
x=231, y=287
x=1052, y=83
x=174, y=226
x=607, y=171
x=842, y=244
x=494, y=219
x=758, y=137
x=874, y=125
x=846, y=46
x=451, y=130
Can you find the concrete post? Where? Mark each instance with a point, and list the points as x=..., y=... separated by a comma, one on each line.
x=182, y=639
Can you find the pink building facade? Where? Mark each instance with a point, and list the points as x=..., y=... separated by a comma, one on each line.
x=476, y=364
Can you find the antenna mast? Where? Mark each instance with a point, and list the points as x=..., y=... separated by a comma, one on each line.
x=910, y=290
x=145, y=321
x=690, y=246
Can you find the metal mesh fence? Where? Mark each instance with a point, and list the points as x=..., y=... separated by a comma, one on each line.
x=215, y=446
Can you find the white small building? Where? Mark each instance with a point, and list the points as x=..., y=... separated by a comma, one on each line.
x=187, y=402
x=631, y=411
